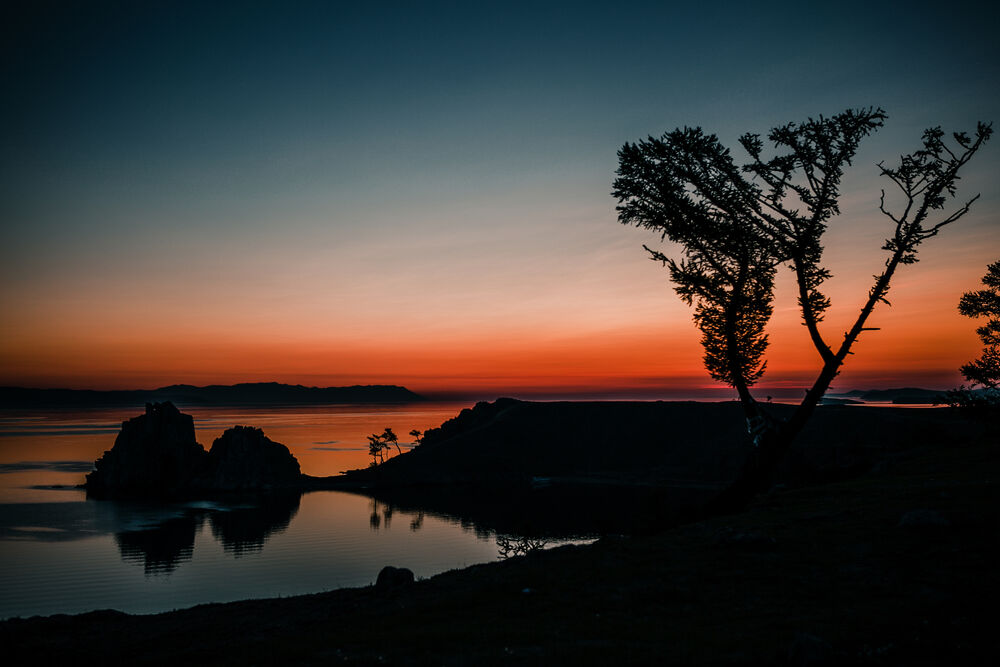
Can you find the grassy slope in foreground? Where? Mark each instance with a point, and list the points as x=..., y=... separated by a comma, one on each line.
x=829, y=573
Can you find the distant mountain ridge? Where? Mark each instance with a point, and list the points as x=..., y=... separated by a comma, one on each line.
x=899, y=396
x=247, y=393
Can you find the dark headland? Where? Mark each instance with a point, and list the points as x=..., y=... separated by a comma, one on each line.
x=901, y=396
x=878, y=547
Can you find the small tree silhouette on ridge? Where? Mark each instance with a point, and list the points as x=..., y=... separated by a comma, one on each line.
x=380, y=443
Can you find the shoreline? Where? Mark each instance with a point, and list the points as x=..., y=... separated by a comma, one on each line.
x=512, y=444
x=836, y=568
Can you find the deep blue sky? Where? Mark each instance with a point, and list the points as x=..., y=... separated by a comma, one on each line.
x=312, y=164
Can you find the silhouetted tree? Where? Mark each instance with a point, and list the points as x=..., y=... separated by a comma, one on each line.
x=390, y=439
x=509, y=546
x=379, y=443
x=984, y=371
x=418, y=437
x=375, y=448
x=737, y=224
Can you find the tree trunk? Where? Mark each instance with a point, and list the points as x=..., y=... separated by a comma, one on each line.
x=771, y=443
x=772, y=439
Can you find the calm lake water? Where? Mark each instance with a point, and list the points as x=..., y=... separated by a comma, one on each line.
x=62, y=553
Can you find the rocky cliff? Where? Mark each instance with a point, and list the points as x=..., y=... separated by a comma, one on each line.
x=243, y=458
x=156, y=456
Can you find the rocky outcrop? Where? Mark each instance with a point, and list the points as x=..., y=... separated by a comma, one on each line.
x=156, y=456
x=243, y=458
x=390, y=578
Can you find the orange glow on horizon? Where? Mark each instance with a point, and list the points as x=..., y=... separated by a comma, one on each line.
x=596, y=336
x=623, y=361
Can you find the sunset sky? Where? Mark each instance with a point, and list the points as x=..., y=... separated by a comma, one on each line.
x=418, y=194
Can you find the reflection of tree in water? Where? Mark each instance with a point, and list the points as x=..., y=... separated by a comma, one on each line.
x=557, y=512
x=244, y=530
x=509, y=546
x=162, y=548
x=510, y=540
x=381, y=513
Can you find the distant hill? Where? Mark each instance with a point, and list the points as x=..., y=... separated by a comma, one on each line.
x=255, y=393
x=899, y=396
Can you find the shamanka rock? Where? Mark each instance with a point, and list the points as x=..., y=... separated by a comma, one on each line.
x=156, y=456
x=243, y=458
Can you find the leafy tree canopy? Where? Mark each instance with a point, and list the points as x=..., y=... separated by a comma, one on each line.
x=985, y=370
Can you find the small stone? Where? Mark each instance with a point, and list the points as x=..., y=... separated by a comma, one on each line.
x=393, y=577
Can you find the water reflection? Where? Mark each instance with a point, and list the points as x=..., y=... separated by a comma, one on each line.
x=161, y=538
x=508, y=546
x=244, y=530
x=162, y=548
x=164, y=537
x=524, y=520
x=381, y=516
x=555, y=513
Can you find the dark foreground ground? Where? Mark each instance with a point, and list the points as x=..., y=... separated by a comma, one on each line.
x=897, y=566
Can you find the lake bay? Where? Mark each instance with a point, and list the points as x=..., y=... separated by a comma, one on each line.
x=63, y=553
